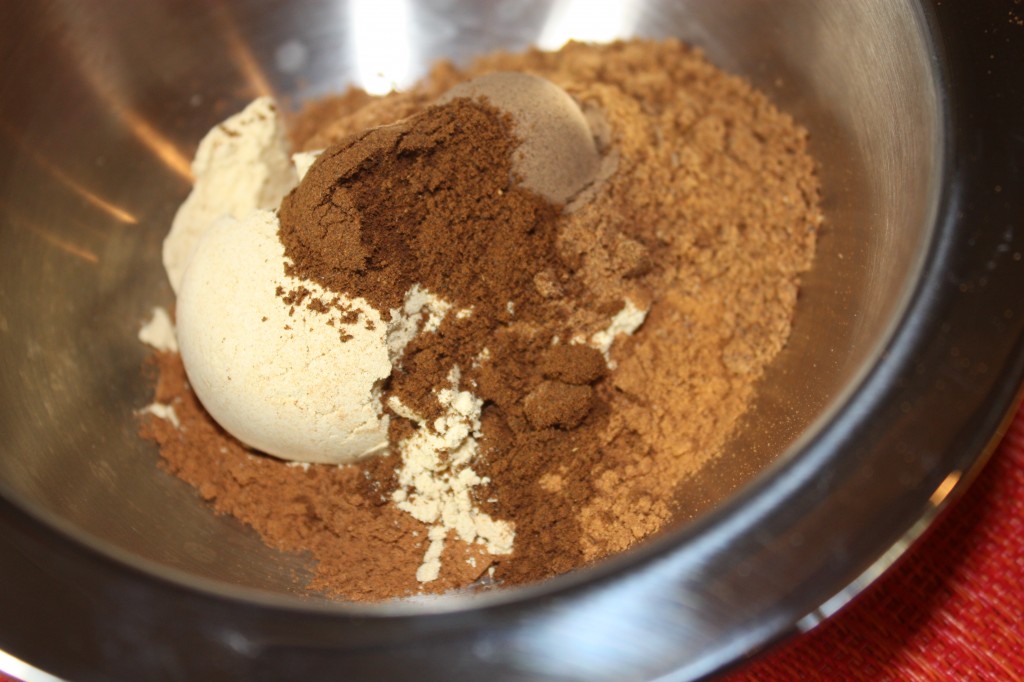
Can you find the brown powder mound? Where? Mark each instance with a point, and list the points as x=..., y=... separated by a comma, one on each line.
x=363, y=547
x=555, y=403
x=575, y=364
x=708, y=220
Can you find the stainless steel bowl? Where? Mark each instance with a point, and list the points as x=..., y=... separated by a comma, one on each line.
x=907, y=353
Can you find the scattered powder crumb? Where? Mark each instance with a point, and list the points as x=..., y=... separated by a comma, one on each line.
x=158, y=332
x=162, y=411
x=626, y=321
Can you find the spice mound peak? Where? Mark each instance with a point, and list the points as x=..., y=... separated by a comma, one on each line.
x=557, y=156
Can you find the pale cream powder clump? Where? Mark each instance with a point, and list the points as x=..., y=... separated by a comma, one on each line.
x=436, y=480
x=241, y=166
x=159, y=332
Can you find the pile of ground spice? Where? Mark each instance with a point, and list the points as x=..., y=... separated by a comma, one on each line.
x=707, y=222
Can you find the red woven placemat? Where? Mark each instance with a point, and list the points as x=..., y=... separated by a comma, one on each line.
x=951, y=610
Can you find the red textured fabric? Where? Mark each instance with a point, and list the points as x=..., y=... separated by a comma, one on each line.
x=953, y=609
x=950, y=610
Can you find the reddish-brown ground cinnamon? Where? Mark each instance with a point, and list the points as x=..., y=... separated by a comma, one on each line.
x=709, y=220
x=363, y=547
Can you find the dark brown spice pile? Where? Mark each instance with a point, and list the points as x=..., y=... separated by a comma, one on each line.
x=414, y=203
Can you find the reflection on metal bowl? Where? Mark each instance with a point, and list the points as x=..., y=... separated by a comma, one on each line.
x=906, y=353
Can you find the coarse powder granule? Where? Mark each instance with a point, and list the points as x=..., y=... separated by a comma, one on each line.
x=706, y=223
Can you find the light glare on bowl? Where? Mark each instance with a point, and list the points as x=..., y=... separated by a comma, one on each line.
x=379, y=38
x=595, y=21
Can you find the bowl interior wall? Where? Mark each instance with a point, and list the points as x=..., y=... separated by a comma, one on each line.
x=102, y=103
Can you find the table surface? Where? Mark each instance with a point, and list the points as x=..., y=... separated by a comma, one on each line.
x=949, y=610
